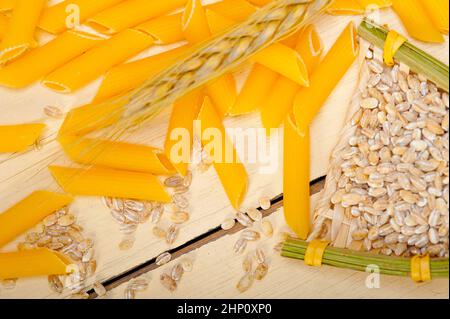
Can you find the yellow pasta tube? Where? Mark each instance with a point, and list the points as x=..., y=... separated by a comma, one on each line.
x=17, y=138
x=95, y=62
x=91, y=117
x=351, y=7
x=128, y=76
x=131, y=13
x=231, y=172
x=118, y=155
x=223, y=93
x=292, y=40
x=57, y=18
x=296, y=178
x=218, y=23
x=327, y=75
x=29, y=212
x=235, y=10
x=285, y=61
x=260, y=2
x=109, y=182
x=416, y=21
x=257, y=85
x=368, y=4
x=3, y=25
x=194, y=22
x=196, y=29
x=438, y=11
x=43, y=60
x=19, y=36
x=6, y=5
x=347, y=7
x=165, y=29
x=33, y=263
x=255, y=89
x=281, y=96
x=179, y=137
x=168, y=29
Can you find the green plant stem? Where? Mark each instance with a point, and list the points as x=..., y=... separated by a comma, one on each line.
x=418, y=60
x=348, y=259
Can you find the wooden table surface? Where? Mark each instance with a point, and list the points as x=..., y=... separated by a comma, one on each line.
x=216, y=267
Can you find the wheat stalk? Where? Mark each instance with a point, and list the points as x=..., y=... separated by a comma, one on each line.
x=217, y=56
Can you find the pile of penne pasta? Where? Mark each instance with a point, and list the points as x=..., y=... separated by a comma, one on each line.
x=425, y=20
x=288, y=83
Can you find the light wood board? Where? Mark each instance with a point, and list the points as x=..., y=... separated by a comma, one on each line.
x=217, y=269
x=209, y=205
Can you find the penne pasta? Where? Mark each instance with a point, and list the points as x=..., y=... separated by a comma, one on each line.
x=17, y=138
x=19, y=35
x=168, y=29
x=310, y=47
x=260, y=80
x=260, y=2
x=185, y=111
x=32, y=263
x=292, y=39
x=346, y=7
x=91, y=117
x=375, y=3
x=125, y=77
x=29, y=212
x=164, y=30
x=98, y=60
x=296, y=178
x=47, y=58
x=416, y=21
x=3, y=25
x=252, y=95
x=194, y=22
x=218, y=23
x=235, y=10
x=196, y=29
x=231, y=172
x=6, y=5
x=118, y=155
x=131, y=13
x=222, y=92
x=281, y=96
x=351, y=7
x=56, y=19
x=326, y=76
x=285, y=61
x=438, y=11
x=109, y=182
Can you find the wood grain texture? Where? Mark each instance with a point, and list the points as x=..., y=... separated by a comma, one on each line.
x=217, y=269
x=209, y=205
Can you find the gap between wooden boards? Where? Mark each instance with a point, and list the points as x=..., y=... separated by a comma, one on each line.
x=213, y=235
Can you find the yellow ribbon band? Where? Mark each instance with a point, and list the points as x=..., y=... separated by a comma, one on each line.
x=314, y=252
x=393, y=42
x=420, y=268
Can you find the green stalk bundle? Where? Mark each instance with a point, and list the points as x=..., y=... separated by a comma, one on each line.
x=356, y=260
x=419, y=61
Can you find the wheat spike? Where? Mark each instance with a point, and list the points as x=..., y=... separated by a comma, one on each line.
x=212, y=59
